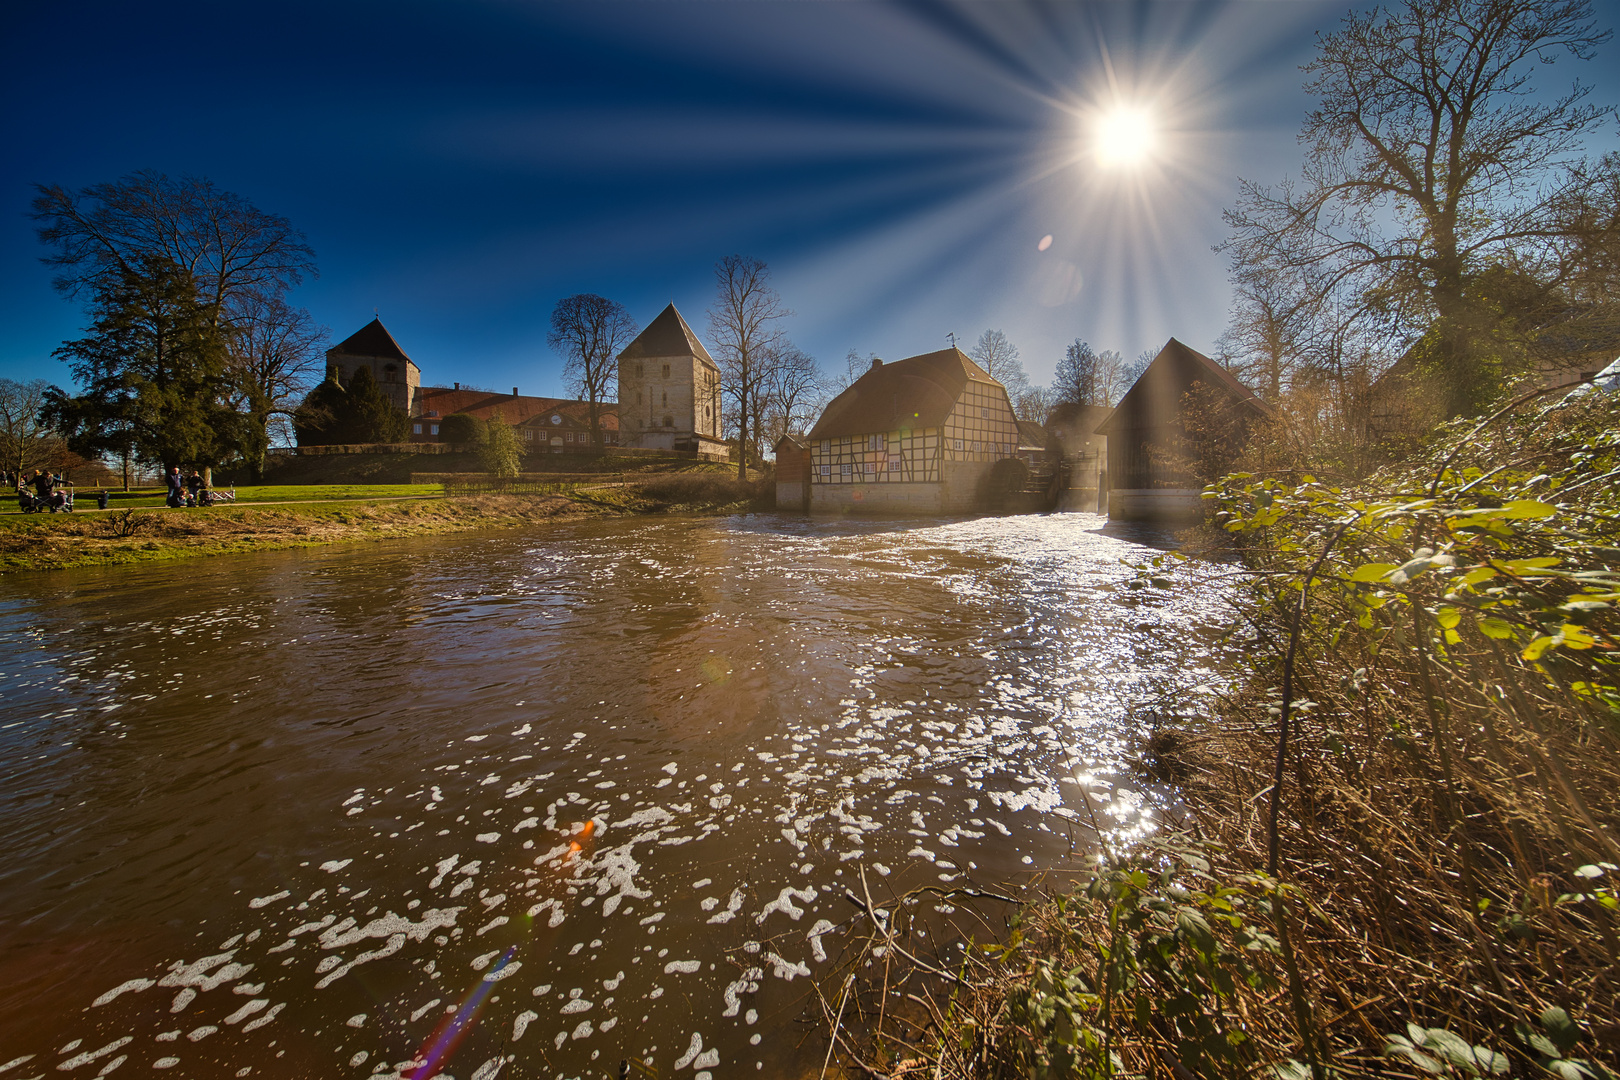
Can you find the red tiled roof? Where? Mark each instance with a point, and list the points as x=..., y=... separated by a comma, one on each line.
x=520, y=409
x=919, y=391
x=372, y=339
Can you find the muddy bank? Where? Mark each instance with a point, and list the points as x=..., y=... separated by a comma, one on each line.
x=50, y=542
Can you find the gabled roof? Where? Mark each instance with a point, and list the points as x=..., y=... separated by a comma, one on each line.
x=919, y=391
x=372, y=339
x=1076, y=425
x=514, y=409
x=1155, y=397
x=1032, y=436
x=667, y=335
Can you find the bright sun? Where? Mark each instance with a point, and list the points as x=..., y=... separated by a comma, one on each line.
x=1124, y=136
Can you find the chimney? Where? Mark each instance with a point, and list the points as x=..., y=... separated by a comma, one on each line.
x=514, y=391
x=458, y=386
x=876, y=363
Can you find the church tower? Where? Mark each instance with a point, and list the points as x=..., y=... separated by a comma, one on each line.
x=669, y=391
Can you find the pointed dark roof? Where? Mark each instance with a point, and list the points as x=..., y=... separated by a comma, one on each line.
x=1155, y=397
x=919, y=391
x=667, y=335
x=372, y=339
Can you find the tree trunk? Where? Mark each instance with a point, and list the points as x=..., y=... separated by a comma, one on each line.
x=742, y=428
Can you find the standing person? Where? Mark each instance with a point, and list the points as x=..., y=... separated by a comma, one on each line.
x=177, y=487
x=43, y=483
x=194, y=485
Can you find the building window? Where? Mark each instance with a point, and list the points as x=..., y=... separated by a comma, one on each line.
x=669, y=421
x=872, y=442
x=956, y=444
x=666, y=398
x=826, y=446
x=416, y=429
x=894, y=462
x=666, y=371
x=640, y=370
x=638, y=397
x=433, y=429
x=871, y=467
x=984, y=412
x=846, y=468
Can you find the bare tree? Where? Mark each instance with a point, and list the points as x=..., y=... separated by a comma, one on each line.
x=27, y=441
x=1266, y=340
x=855, y=365
x=229, y=248
x=793, y=394
x=1076, y=378
x=999, y=358
x=1033, y=404
x=743, y=325
x=275, y=358
x=590, y=331
x=1431, y=165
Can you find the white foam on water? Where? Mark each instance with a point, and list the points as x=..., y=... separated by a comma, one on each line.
x=93, y=1055
x=693, y=1049
x=128, y=986
x=332, y=866
x=265, y=901
x=254, y=1025
x=683, y=967
x=521, y=1022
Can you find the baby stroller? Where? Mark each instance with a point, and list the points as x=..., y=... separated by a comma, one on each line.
x=62, y=501
x=28, y=502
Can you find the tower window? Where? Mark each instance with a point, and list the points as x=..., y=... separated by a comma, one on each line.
x=669, y=421
x=666, y=371
x=641, y=369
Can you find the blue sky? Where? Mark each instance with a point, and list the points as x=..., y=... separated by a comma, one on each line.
x=461, y=166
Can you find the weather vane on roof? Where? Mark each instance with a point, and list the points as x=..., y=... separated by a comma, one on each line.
x=952, y=335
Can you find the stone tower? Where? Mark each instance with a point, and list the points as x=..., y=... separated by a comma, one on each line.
x=372, y=346
x=669, y=391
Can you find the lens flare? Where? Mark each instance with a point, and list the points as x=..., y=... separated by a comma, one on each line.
x=455, y=1026
x=1124, y=136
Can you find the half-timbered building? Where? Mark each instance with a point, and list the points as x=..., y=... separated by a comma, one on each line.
x=914, y=436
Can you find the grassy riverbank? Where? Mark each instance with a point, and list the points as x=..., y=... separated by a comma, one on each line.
x=146, y=534
x=1400, y=855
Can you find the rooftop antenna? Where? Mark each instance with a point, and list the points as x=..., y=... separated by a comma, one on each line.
x=952, y=335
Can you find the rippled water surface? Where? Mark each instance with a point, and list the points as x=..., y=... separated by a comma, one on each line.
x=580, y=795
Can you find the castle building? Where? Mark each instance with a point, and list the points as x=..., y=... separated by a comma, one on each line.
x=373, y=347
x=669, y=391
x=915, y=436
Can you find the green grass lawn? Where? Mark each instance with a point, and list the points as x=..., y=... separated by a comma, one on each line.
x=85, y=498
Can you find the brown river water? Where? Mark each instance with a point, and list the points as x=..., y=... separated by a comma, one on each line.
x=529, y=804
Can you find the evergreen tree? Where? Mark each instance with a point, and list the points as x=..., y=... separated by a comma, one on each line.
x=371, y=417
x=154, y=371
x=335, y=414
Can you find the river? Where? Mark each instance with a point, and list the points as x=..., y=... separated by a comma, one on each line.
x=531, y=803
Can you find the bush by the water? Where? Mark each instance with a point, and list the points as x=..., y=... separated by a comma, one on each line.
x=707, y=489
x=1402, y=854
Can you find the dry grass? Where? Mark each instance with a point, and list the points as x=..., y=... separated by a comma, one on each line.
x=1446, y=848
